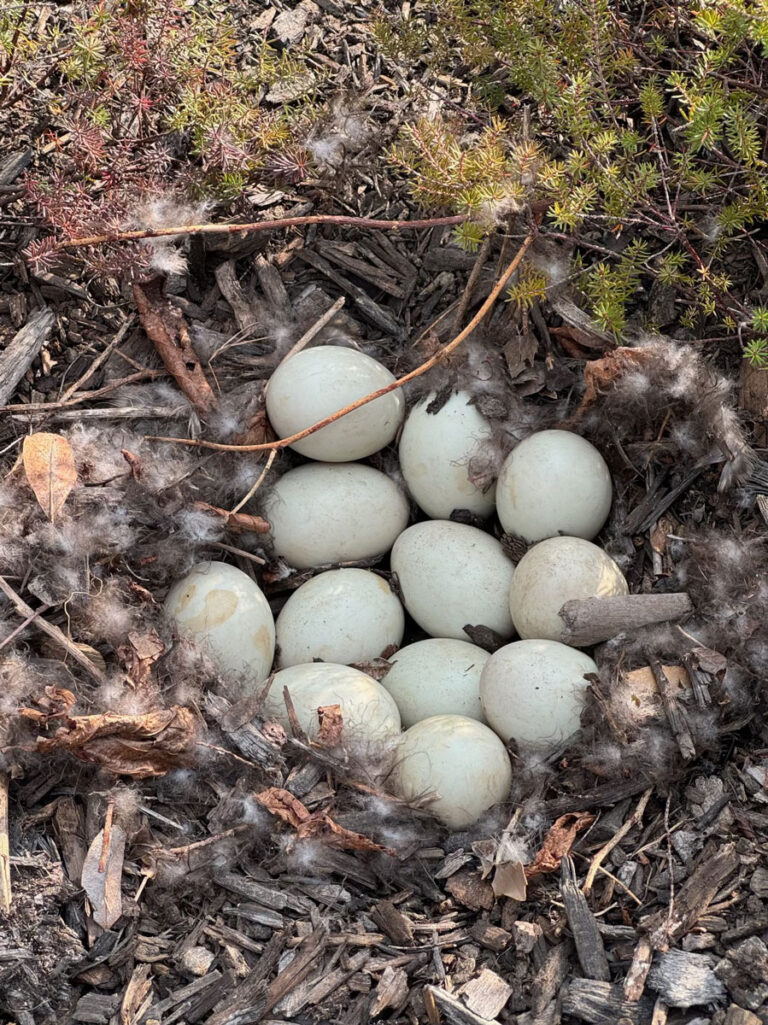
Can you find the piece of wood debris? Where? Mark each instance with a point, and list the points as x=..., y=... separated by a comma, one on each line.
x=492, y=937
x=684, y=979
x=391, y=992
x=526, y=936
x=693, y=898
x=600, y=1003
x=736, y=1015
x=470, y=890
x=19, y=354
x=586, y=935
x=393, y=922
x=550, y=976
x=6, y=898
x=245, y=313
x=370, y=310
x=486, y=995
x=589, y=621
x=442, y=1005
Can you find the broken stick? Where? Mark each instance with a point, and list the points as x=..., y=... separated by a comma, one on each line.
x=589, y=621
x=23, y=348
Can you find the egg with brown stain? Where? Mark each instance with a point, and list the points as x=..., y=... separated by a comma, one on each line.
x=222, y=608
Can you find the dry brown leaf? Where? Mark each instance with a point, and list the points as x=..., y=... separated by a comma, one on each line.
x=140, y=654
x=56, y=704
x=133, y=462
x=599, y=374
x=50, y=470
x=128, y=745
x=104, y=887
x=510, y=880
x=558, y=842
x=165, y=325
x=284, y=805
x=331, y=726
x=320, y=826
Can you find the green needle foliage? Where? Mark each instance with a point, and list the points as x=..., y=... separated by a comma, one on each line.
x=642, y=127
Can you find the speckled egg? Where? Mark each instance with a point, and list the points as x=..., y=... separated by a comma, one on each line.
x=533, y=692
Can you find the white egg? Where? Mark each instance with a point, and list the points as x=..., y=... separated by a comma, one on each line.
x=556, y=571
x=460, y=760
x=222, y=607
x=367, y=710
x=452, y=575
x=552, y=483
x=316, y=382
x=334, y=512
x=343, y=616
x=533, y=692
x=439, y=676
x=435, y=450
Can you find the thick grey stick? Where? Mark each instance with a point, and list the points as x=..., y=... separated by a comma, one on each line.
x=18, y=354
x=592, y=620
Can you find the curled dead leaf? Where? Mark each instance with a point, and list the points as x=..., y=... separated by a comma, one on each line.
x=49, y=466
x=558, y=842
x=127, y=745
x=600, y=374
x=318, y=826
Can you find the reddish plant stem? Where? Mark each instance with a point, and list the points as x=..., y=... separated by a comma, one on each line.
x=422, y=369
x=284, y=222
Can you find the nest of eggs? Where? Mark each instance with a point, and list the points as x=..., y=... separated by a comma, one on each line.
x=404, y=615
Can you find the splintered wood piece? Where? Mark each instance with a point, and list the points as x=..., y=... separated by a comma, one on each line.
x=486, y=994
x=492, y=937
x=18, y=355
x=393, y=923
x=441, y=1004
x=736, y=1015
x=600, y=1003
x=586, y=935
x=693, y=898
x=391, y=992
x=676, y=715
x=246, y=316
x=588, y=621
